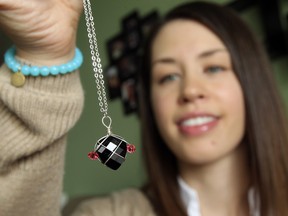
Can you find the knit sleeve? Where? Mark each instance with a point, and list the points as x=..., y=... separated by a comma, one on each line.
x=34, y=121
x=128, y=202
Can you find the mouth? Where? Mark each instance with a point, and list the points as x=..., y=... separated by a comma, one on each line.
x=197, y=125
x=198, y=121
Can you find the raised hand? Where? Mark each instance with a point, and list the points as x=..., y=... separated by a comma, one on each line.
x=42, y=30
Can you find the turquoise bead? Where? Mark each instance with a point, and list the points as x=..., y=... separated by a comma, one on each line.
x=26, y=70
x=12, y=66
x=34, y=71
x=44, y=71
x=54, y=70
x=63, y=69
x=74, y=65
x=70, y=67
x=15, y=68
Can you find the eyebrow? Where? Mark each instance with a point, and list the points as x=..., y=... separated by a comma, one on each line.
x=204, y=54
x=210, y=52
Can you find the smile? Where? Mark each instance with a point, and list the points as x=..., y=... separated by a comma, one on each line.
x=198, y=121
x=197, y=126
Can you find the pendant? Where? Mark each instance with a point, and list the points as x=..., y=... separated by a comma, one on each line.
x=17, y=79
x=111, y=151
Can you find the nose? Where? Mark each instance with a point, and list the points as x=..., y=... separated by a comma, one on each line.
x=192, y=90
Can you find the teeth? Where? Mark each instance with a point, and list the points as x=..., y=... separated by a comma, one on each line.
x=198, y=121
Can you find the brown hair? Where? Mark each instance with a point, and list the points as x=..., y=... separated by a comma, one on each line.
x=266, y=126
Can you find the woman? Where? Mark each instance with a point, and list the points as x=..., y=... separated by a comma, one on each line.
x=217, y=119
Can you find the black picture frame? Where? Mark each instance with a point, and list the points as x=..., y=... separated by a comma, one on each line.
x=132, y=31
x=130, y=21
x=129, y=96
x=116, y=47
x=128, y=66
x=124, y=50
x=113, y=82
x=133, y=39
x=148, y=22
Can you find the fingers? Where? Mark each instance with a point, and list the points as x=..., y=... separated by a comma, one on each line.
x=9, y=4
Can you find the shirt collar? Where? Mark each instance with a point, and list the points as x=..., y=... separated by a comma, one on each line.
x=189, y=198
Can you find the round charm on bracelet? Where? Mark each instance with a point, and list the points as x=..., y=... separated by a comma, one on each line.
x=18, y=79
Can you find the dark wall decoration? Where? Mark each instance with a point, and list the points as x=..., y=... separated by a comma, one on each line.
x=124, y=49
x=276, y=35
x=124, y=53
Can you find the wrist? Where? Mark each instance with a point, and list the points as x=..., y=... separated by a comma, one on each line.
x=48, y=57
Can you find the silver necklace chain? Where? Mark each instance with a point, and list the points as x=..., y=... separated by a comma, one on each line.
x=97, y=66
x=119, y=145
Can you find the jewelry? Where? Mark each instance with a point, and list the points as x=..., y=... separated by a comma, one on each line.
x=111, y=149
x=20, y=69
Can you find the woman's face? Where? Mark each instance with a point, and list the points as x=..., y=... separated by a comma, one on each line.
x=196, y=98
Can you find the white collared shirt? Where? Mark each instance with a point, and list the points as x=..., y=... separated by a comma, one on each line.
x=191, y=201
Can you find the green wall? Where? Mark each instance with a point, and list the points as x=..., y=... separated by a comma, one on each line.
x=84, y=176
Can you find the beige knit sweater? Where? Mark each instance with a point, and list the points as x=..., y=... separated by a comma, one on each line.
x=34, y=122
x=129, y=202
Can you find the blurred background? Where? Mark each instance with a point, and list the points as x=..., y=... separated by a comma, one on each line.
x=121, y=27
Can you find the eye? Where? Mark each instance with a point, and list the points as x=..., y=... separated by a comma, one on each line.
x=214, y=69
x=168, y=78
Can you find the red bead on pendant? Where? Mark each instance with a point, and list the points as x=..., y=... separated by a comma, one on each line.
x=131, y=148
x=93, y=155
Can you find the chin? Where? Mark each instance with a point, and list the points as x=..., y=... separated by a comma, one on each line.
x=198, y=158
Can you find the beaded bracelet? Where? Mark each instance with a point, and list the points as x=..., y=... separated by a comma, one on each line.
x=21, y=70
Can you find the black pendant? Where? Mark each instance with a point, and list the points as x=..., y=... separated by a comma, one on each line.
x=111, y=151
